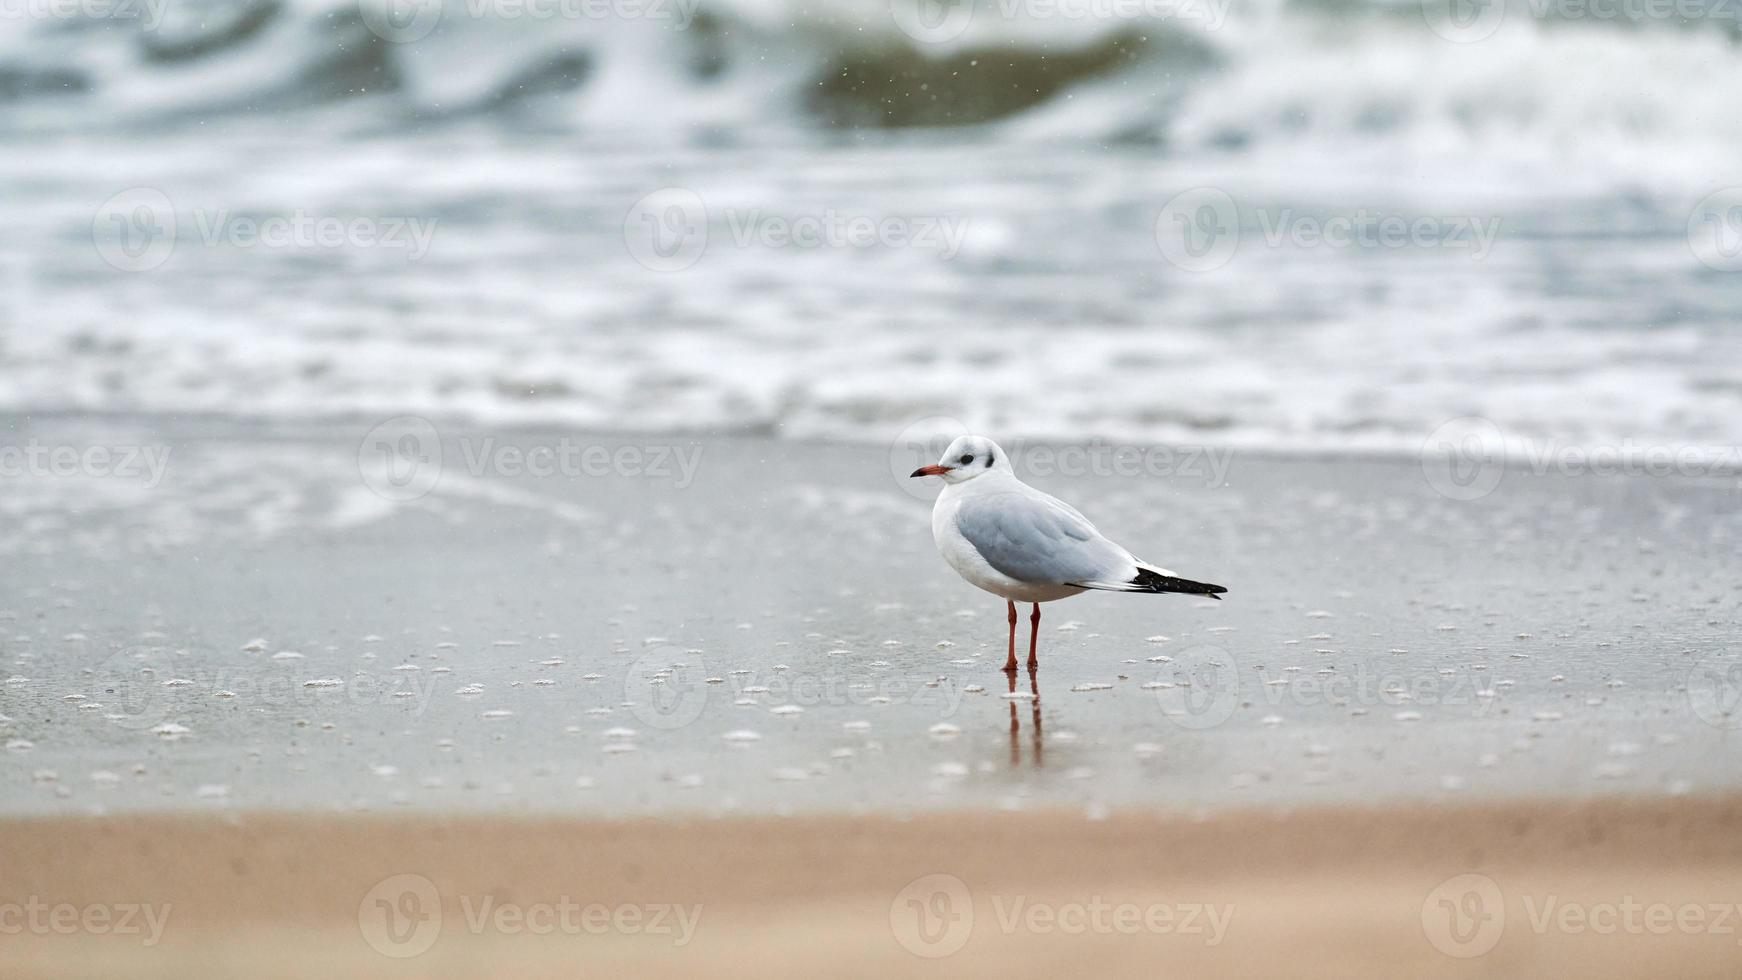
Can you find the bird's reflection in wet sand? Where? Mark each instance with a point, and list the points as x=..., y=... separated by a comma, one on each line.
x=1034, y=721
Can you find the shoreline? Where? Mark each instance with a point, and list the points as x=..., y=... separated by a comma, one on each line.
x=1346, y=891
x=1717, y=461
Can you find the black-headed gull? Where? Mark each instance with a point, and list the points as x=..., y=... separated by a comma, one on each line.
x=1026, y=546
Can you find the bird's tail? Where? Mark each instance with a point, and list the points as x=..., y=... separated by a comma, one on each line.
x=1157, y=580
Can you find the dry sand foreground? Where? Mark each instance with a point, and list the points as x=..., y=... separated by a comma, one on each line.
x=1604, y=889
x=1619, y=888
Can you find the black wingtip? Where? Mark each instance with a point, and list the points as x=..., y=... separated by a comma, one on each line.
x=1149, y=581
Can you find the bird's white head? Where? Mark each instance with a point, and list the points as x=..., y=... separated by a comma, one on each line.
x=967, y=457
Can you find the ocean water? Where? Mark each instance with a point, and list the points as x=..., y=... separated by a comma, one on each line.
x=1314, y=226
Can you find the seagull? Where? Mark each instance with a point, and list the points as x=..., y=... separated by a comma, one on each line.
x=1026, y=546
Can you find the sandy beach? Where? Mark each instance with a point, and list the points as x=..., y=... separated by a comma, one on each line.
x=1624, y=888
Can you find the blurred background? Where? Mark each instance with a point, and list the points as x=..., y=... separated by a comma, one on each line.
x=334, y=254
x=1310, y=225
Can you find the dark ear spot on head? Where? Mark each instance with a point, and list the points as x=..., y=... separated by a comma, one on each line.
x=991, y=458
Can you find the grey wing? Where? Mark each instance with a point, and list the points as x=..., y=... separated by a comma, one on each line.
x=1036, y=539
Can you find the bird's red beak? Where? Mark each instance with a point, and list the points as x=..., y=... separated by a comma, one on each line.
x=932, y=470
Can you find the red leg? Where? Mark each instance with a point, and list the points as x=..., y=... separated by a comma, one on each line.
x=1033, y=635
x=1010, y=662
x=1034, y=707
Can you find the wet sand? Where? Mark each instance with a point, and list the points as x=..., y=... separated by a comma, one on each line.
x=1621, y=888
x=272, y=626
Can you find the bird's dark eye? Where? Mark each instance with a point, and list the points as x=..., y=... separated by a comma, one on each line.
x=966, y=459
